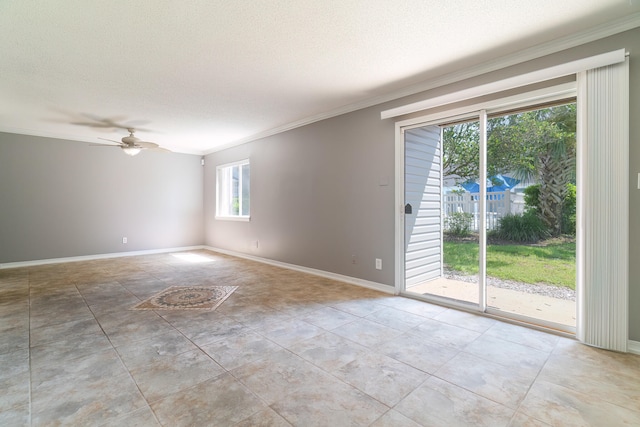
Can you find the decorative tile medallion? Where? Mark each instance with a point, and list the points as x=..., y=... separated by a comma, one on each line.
x=187, y=298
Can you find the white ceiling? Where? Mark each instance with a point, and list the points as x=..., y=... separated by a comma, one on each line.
x=202, y=74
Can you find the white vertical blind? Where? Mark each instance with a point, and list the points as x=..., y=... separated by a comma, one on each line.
x=604, y=179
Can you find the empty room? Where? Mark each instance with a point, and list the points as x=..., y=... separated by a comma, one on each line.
x=303, y=213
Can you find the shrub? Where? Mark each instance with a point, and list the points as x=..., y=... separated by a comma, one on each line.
x=568, y=225
x=532, y=198
x=527, y=227
x=458, y=224
x=568, y=219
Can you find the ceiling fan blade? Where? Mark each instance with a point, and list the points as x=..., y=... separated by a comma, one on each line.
x=145, y=144
x=108, y=123
x=103, y=145
x=111, y=140
x=92, y=125
x=164, y=150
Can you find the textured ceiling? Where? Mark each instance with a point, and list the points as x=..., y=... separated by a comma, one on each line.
x=197, y=75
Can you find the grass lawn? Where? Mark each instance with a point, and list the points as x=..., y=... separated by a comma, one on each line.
x=554, y=264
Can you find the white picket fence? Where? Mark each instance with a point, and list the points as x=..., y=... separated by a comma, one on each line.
x=498, y=205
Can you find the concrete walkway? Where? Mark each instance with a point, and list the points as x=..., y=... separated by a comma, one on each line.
x=508, y=300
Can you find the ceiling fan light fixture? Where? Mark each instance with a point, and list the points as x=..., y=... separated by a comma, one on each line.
x=131, y=151
x=132, y=145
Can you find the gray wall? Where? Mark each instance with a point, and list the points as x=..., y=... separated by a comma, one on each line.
x=63, y=198
x=316, y=197
x=316, y=193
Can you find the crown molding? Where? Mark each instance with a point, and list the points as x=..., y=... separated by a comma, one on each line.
x=596, y=33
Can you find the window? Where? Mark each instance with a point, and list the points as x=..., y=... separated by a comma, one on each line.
x=233, y=181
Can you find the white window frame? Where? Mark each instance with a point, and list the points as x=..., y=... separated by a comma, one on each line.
x=221, y=182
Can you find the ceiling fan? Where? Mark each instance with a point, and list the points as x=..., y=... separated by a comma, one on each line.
x=132, y=145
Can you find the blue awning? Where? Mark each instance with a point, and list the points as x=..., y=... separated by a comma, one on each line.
x=494, y=183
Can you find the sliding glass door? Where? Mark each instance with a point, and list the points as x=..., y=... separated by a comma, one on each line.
x=490, y=212
x=531, y=214
x=441, y=219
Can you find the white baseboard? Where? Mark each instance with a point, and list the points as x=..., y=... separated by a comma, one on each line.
x=95, y=257
x=633, y=347
x=342, y=278
x=326, y=274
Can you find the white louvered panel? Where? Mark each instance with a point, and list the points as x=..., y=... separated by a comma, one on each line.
x=416, y=148
x=423, y=191
x=603, y=320
x=418, y=176
x=417, y=253
x=412, y=193
x=425, y=160
x=429, y=183
x=415, y=174
x=424, y=268
x=425, y=136
x=423, y=264
x=425, y=229
x=424, y=214
x=419, y=246
x=429, y=205
x=416, y=280
x=427, y=220
x=429, y=195
x=416, y=238
x=417, y=152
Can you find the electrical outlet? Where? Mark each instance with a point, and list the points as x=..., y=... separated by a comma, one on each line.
x=124, y=240
x=378, y=264
x=353, y=259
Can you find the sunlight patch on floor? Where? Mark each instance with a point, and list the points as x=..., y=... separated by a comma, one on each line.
x=193, y=258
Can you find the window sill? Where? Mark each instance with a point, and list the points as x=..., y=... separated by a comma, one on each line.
x=234, y=218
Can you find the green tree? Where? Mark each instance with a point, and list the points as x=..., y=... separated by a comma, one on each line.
x=461, y=151
x=461, y=154
x=535, y=145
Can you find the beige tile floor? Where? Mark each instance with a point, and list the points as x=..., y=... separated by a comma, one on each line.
x=285, y=349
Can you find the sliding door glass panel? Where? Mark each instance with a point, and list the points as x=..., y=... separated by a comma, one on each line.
x=423, y=218
x=531, y=214
x=461, y=211
x=442, y=208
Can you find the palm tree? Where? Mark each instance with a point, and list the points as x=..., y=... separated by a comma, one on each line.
x=539, y=145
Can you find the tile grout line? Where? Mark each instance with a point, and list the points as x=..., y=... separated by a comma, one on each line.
x=118, y=355
x=226, y=371
x=533, y=382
